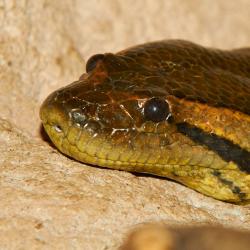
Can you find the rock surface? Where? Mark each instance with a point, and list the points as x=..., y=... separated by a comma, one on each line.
x=49, y=201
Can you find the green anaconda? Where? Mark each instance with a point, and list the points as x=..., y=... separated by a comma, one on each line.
x=169, y=108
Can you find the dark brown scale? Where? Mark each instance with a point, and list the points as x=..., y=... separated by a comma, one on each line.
x=207, y=68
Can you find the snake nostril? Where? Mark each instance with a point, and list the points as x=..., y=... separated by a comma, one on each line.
x=57, y=128
x=92, y=61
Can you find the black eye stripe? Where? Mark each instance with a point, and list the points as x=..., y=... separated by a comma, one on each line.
x=92, y=61
x=156, y=110
x=226, y=149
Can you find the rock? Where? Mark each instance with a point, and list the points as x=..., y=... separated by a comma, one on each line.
x=161, y=237
x=49, y=201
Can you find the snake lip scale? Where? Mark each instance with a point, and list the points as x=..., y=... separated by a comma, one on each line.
x=170, y=108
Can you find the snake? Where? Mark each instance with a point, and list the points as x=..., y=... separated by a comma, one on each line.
x=169, y=108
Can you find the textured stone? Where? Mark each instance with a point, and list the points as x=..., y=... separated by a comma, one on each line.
x=160, y=237
x=49, y=201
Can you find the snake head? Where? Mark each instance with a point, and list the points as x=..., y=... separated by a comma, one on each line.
x=106, y=110
x=153, y=110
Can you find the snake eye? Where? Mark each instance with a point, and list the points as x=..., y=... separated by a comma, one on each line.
x=91, y=63
x=156, y=110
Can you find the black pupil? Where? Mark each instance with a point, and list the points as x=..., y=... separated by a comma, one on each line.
x=156, y=110
x=91, y=63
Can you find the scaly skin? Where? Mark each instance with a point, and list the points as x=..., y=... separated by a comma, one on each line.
x=205, y=144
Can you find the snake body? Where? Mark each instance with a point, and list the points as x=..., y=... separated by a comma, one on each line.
x=169, y=108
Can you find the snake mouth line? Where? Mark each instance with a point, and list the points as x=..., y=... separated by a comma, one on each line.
x=226, y=149
x=118, y=161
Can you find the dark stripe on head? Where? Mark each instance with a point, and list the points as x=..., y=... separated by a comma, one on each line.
x=235, y=189
x=226, y=149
